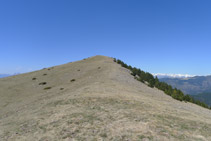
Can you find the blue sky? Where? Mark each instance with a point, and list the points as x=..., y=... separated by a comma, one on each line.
x=158, y=36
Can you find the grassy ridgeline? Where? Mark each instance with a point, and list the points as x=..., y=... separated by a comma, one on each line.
x=152, y=81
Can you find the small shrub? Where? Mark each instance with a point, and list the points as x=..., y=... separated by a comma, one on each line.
x=72, y=80
x=51, y=68
x=43, y=83
x=44, y=74
x=99, y=67
x=114, y=59
x=133, y=73
x=47, y=88
x=79, y=70
x=34, y=78
x=61, y=88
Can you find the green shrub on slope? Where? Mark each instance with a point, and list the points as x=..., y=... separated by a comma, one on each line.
x=152, y=81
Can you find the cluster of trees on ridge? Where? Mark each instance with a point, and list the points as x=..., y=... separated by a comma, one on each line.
x=152, y=81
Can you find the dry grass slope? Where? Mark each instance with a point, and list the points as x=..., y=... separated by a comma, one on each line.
x=94, y=99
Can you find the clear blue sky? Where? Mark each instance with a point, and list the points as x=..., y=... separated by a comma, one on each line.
x=158, y=36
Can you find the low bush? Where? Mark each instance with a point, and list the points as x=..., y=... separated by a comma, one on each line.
x=51, y=68
x=72, y=80
x=47, y=88
x=43, y=83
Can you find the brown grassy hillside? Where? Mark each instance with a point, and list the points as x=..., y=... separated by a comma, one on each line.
x=94, y=99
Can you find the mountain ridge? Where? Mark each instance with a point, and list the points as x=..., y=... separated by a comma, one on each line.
x=191, y=85
x=166, y=75
x=199, y=86
x=94, y=99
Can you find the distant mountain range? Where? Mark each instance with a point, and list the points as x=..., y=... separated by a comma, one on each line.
x=191, y=85
x=165, y=75
x=198, y=86
x=205, y=97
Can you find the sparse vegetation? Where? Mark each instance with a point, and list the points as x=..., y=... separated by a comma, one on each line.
x=72, y=80
x=95, y=108
x=61, y=88
x=47, y=88
x=99, y=67
x=34, y=78
x=104, y=135
x=44, y=74
x=51, y=68
x=43, y=83
x=152, y=81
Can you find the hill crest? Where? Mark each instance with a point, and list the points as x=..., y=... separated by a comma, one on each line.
x=94, y=99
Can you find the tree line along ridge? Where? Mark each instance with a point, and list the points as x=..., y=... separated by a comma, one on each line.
x=151, y=81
